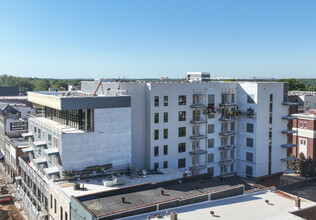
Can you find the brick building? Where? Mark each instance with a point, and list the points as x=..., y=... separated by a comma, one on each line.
x=305, y=138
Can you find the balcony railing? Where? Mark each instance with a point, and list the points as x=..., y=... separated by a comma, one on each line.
x=226, y=133
x=198, y=152
x=198, y=167
x=198, y=136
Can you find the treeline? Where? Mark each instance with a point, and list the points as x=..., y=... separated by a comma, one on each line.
x=34, y=84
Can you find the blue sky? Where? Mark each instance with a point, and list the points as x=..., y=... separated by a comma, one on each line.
x=153, y=38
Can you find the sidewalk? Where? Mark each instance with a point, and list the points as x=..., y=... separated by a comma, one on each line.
x=14, y=192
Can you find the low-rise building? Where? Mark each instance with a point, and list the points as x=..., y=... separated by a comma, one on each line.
x=305, y=138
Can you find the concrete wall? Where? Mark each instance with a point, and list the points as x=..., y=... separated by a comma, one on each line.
x=138, y=112
x=62, y=201
x=109, y=143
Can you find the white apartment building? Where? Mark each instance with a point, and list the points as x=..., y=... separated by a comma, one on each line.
x=225, y=128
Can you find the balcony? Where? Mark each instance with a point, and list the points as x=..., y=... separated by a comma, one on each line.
x=289, y=117
x=289, y=131
x=288, y=145
x=198, y=152
x=228, y=174
x=39, y=161
x=27, y=150
x=198, y=136
x=198, y=167
x=51, y=170
x=39, y=144
x=227, y=118
x=227, y=104
x=198, y=105
x=288, y=158
x=226, y=133
x=27, y=135
x=226, y=161
x=51, y=151
x=229, y=147
x=198, y=121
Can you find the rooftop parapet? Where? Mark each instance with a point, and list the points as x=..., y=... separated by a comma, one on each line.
x=74, y=100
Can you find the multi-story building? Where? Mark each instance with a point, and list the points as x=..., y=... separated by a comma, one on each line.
x=223, y=128
x=13, y=123
x=77, y=134
x=304, y=125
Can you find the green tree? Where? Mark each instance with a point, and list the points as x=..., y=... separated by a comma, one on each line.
x=302, y=165
x=294, y=84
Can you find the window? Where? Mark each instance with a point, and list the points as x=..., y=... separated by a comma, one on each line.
x=210, y=170
x=182, y=100
x=210, y=158
x=250, y=98
x=156, y=118
x=211, y=99
x=165, y=133
x=232, y=140
x=165, y=100
x=49, y=139
x=249, y=127
x=182, y=115
x=224, y=141
x=55, y=205
x=156, y=151
x=51, y=201
x=301, y=124
x=156, y=166
x=232, y=167
x=181, y=147
x=210, y=128
x=305, y=125
x=156, y=101
x=165, y=117
x=61, y=213
x=165, y=164
x=182, y=132
x=165, y=150
x=35, y=130
x=249, y=171
x=210, y=143
x=181, y=163
x=249, y=156
x=55, y=142
x=249, y=142
x=232, y=126
x=156, y=134
x=66, y=216
x=39, y=133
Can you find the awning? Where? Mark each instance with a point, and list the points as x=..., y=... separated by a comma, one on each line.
x=1, y=155
x=39, y=161
x=51, y=170
x=39, y=143
x=51, y=151
x=27, y=150
x=27, y=135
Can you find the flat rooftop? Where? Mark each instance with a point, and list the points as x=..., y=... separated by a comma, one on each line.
x=65, y=100
x=306, y=189
x=143, y=197
x=248, y=206
x=94, y=185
